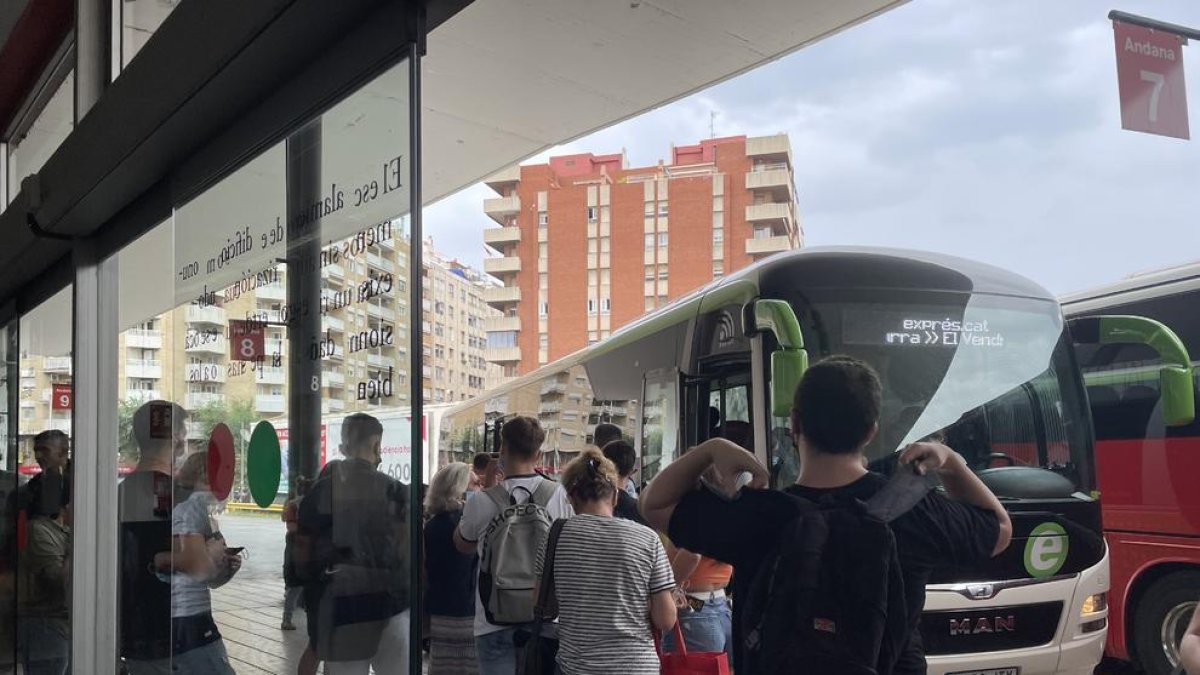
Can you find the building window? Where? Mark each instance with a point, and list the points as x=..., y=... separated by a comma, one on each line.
x=606, y=305
x=543, y=309
x=662, y=208
x=718, y=235
x=543, y=219
x=718, y=269
x=649, y=208
x=662, y=239
x=649, y=272
x=662, y=273
x=649, y=241
x=591, y=307
x=591, y=214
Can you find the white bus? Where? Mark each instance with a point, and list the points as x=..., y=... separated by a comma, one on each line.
x=979, y=353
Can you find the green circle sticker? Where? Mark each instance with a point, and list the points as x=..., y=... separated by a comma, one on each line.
x=1046, y=550
x=263, y=464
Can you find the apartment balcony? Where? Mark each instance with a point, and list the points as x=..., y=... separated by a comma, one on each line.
x=769, y=179
x=379, y=262
x=63, y=425
x=500, y=209
x=275, y=347
x=271, y=375
x=335, y=271
x=502, y=354
x=142, y=395
x=777, y=147
x=270, y=403
x=210, y=315
x=494, y=324
x=502, y=266
x=276, y=291
x=549, y=408
x=497, y=237
x=553, y=387
x=146, y=369
x=504, y=178
x=778, y=216
x=333, y=378
x=206, y=343
x=768, y=245
x=380, y=361
x=198, y=399
x=336, y=324
x=334, y=405
x=381, y=312
x=501, y=295
x=140, y=338
x=56, y=364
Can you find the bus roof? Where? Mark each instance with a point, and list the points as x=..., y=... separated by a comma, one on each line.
x=742, y=286
x=1142, y=286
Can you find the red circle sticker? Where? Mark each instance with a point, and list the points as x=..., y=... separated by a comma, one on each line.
x=221, y=461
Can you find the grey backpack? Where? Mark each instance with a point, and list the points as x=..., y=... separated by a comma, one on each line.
x=507, y=551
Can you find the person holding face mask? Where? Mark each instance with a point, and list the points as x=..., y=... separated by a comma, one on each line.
x=356, y=519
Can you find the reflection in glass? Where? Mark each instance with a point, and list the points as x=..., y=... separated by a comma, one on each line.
x=50, y=128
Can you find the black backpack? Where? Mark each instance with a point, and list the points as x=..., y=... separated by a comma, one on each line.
x=829, y=598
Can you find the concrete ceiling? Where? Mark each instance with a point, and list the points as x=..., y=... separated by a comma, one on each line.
x=506, y=79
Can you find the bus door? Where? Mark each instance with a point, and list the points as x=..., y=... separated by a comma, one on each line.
x=659, y=423
x=718, y=405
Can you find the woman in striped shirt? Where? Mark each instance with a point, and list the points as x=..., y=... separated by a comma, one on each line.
x=611, y=578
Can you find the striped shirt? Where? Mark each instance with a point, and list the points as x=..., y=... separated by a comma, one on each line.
x=605, y=570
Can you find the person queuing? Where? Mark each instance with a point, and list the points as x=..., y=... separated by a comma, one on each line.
x=198, y=561
x=835, y=416
x=355, y=519
x=293, y=586
x=602, y=435
x=43, y=617
x=450, y=576
x=624, y=457
x=521, y=441
x=607, y=571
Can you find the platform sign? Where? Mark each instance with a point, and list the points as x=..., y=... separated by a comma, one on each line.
x=1150, y=80
x=247, y=340
x=63, y=396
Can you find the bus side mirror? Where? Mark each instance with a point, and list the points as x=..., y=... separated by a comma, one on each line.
x=1176, y=390
x=787, y=367
x=790, y=359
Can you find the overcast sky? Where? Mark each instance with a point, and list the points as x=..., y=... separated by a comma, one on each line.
x=989, y=130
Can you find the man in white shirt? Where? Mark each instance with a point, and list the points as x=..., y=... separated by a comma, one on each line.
x=520, y=449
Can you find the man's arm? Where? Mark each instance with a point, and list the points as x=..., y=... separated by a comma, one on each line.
x=961, y=484
x=661, y=496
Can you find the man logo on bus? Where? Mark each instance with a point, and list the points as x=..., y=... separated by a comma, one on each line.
x=1046, y=550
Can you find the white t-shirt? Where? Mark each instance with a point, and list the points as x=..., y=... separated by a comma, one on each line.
x=478, y=514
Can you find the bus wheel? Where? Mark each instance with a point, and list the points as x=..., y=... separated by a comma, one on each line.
x=1161, y=618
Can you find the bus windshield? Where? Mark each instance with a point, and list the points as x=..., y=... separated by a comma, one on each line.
x=991, y=376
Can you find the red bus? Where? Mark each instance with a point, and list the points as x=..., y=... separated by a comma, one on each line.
x=1148, y=470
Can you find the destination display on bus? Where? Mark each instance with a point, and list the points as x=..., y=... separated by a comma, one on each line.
x=915, y=329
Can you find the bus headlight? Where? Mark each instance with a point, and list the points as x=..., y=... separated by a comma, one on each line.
x=1097, y=602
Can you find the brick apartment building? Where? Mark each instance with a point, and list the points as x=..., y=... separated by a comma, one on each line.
x=587, y=244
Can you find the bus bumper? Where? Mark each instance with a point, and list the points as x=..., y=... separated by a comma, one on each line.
x=1078, y=644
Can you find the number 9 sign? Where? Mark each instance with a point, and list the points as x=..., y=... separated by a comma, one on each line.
x=63, y=397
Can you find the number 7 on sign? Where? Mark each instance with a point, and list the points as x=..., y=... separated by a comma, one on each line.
x=1158, y=80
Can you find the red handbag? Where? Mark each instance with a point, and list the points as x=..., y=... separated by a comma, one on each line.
x=684, y=662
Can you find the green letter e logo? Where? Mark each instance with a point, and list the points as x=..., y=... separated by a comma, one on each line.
x=1046, y=550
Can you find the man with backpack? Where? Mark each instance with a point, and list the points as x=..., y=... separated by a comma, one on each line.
x=353, y=555
x=506, y=525
x=841, y=542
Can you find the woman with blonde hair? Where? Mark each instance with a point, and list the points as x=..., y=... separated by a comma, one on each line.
x=611, y=579
x=450, y=576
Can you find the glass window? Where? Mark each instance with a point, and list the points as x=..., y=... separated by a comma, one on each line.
x=28, y=152
x=38, y=477
x=649, y=241
x=718, y=235
x=660, y=423
x=591, y=214
x=662, y=239
x=243, y=422
x=139, y=20
x=662, y=208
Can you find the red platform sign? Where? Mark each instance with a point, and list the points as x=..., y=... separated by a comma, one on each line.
x=247, y=340
x=1150, y=80
x=63, y=397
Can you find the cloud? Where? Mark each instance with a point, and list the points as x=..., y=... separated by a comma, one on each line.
x=988, y=130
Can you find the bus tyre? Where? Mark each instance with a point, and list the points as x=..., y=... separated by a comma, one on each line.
x=1160, y=619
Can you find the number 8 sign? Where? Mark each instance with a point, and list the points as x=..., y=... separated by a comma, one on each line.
x=247, y=340
x=1150, y=79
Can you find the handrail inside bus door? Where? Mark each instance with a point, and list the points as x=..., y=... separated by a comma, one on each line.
x=790, y=360
x=1174, y=376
